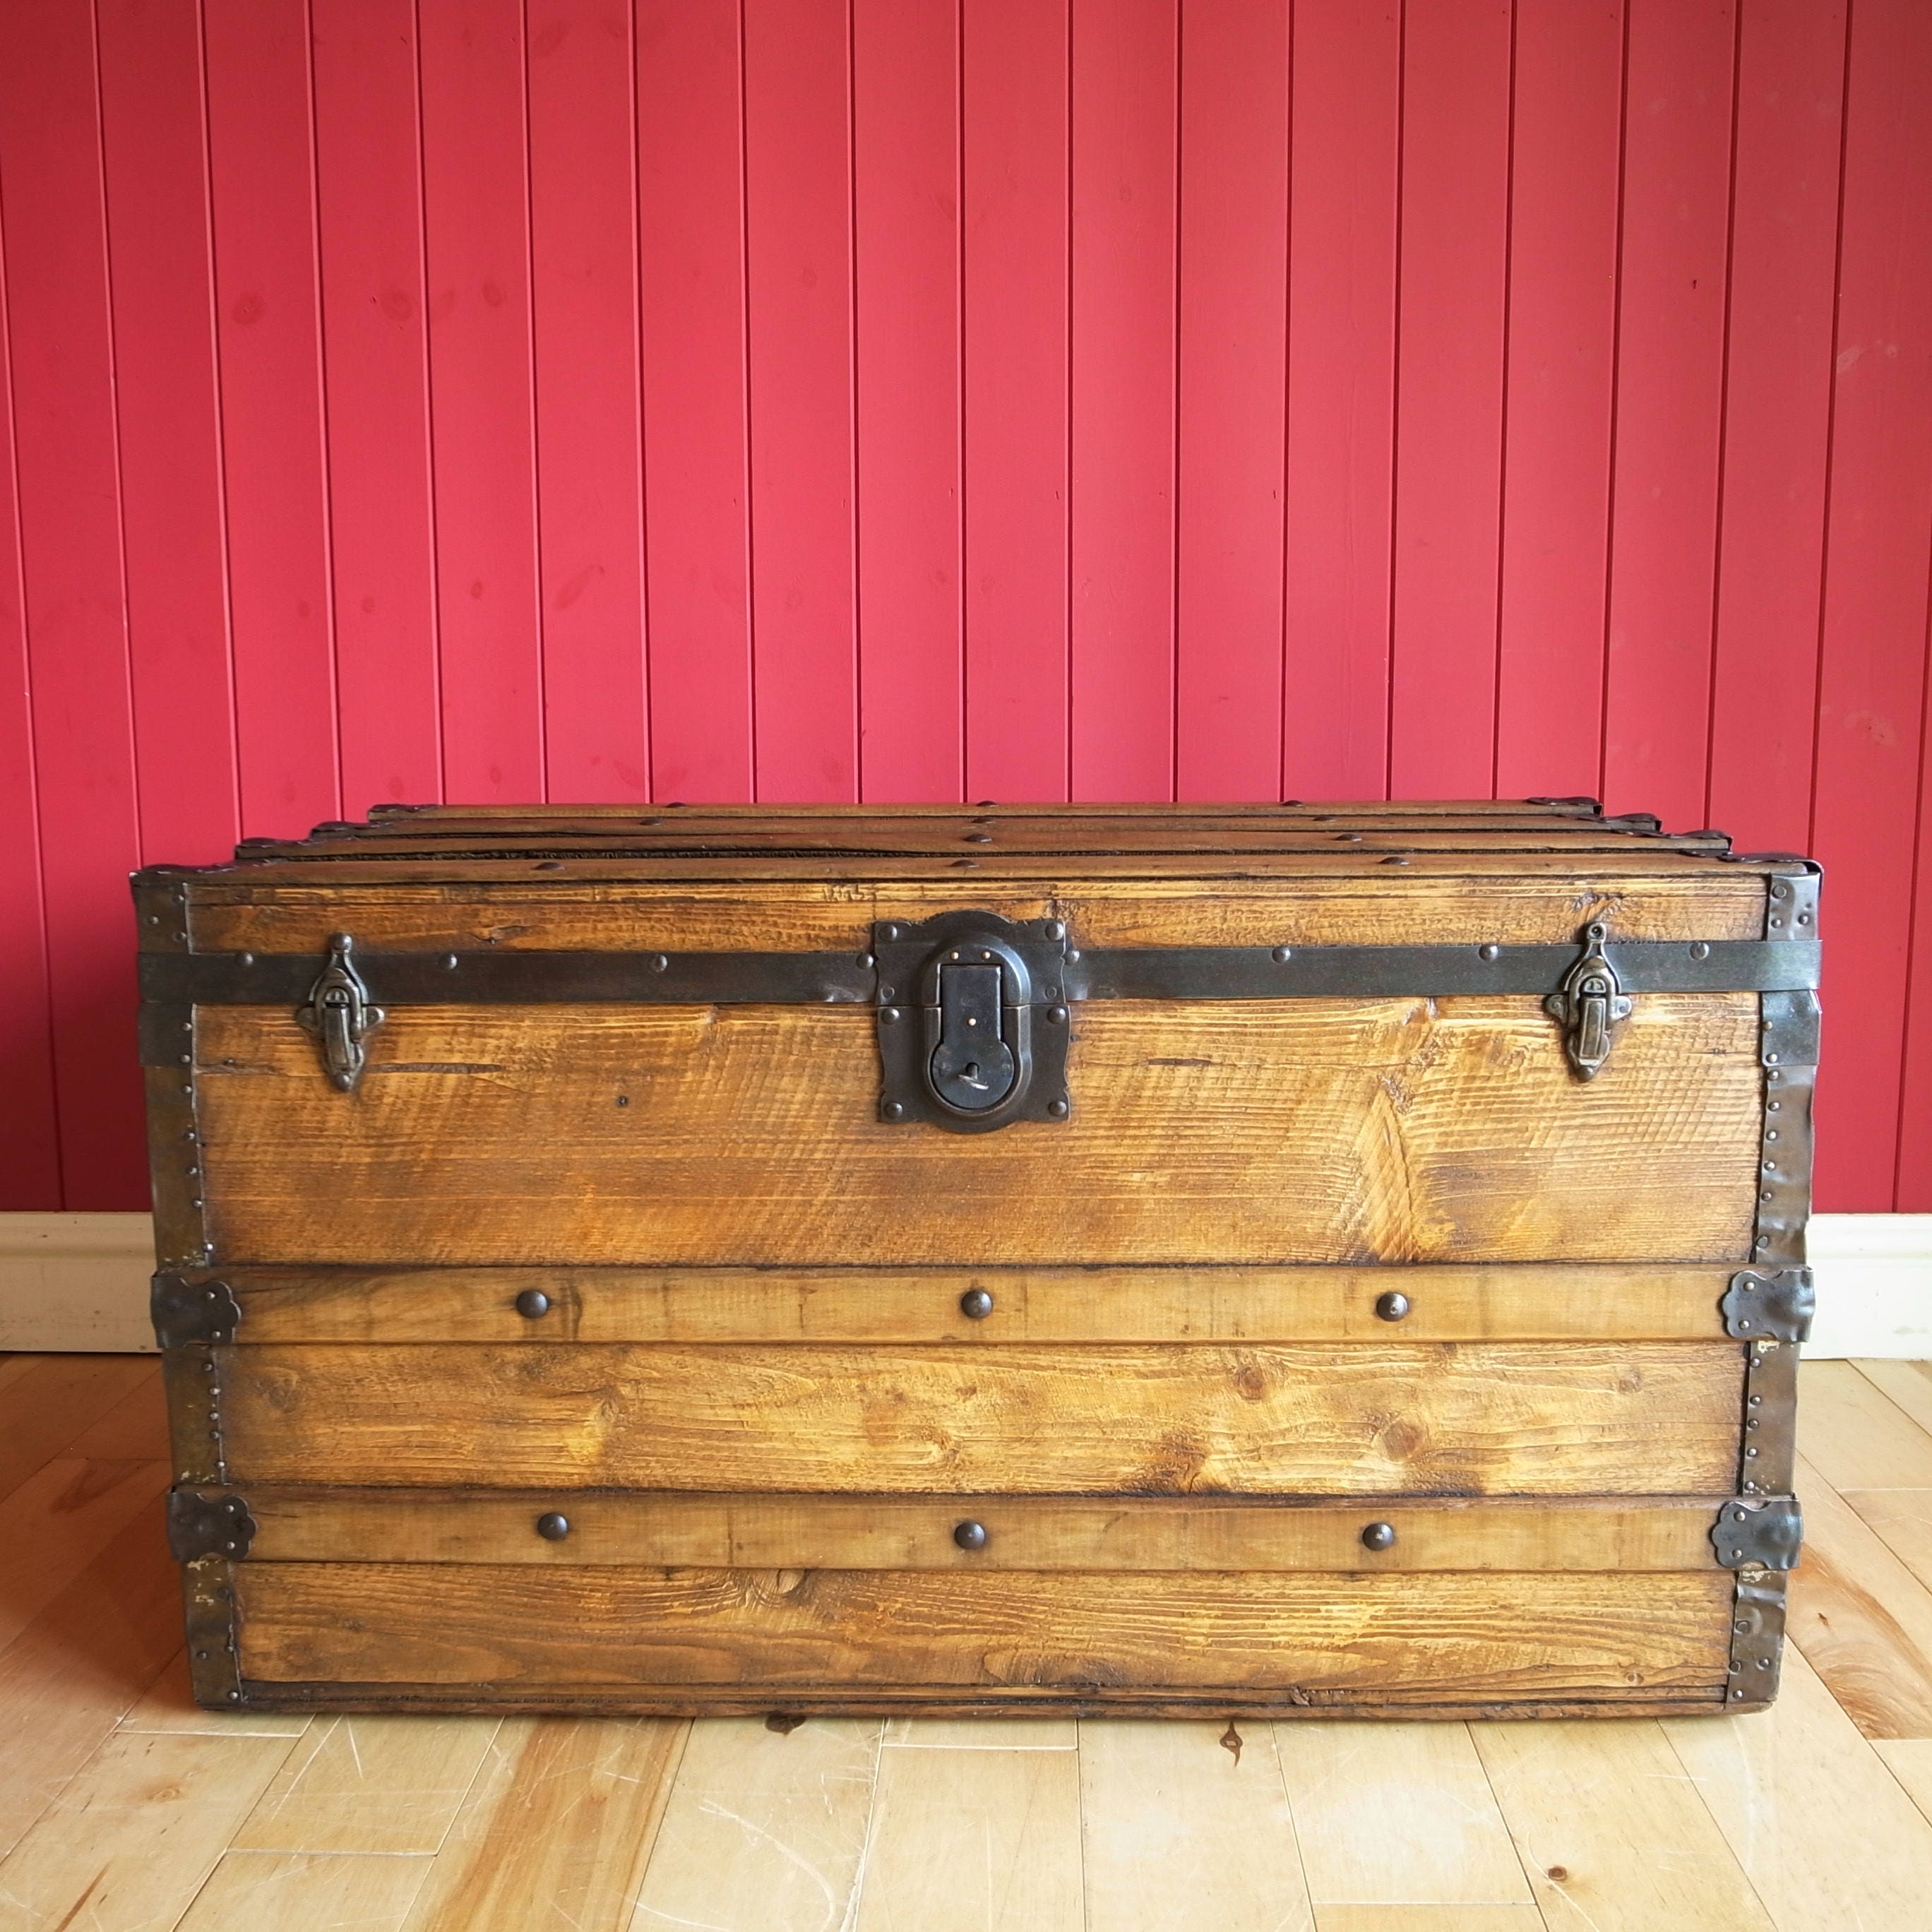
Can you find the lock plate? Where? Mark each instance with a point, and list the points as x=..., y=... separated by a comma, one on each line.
x=973, y=1021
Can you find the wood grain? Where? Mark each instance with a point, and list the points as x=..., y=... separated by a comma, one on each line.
x=313, y=1524
x=974, y=1841
x=382, y=1784
x=59, y=1521
x=1522, y=899
x=1545, y=1418
x=1307, y=1638
x=1452, y=1846
x=1856, y=1437
x=1523, y=1301
x=764, y=1829
x=1339, y=1130
x=1600, y=1820
x=1176, y=1830
x=304, y=1892
x=1825, y=1835
x=561, y=1813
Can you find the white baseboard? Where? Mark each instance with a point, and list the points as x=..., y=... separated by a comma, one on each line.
x=79, y=1282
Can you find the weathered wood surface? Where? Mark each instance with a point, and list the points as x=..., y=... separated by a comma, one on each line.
x=1525, y=1301
x=1584, y=808
x=1323, y=1637
x=1321, y=1130
x=238, y=912
x=310, y=1524
x=1578, y=1418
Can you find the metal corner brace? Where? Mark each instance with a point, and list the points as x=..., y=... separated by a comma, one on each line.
x=1765, y=1533
x=199, y=1525
x=1777, y=1303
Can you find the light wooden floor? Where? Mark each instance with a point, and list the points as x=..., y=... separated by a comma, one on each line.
x=121, y=1807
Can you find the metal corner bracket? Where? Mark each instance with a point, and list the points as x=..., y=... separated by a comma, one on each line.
x=1762, y=1533
x=185, y=1312
x=1773, y=1304
x=201, y=1525
x=1757, y=1638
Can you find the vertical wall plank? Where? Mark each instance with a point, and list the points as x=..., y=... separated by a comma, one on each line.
x=1125, y=132
x=1670, y=359
x=798, y=215
x=690, y=83
x=476, y=214
x=1791, y=77
x=1455, y=220
x=375, y=368
x=153, y=126
x=584, y=286
x=30, y=1176
x=906, y=193
x=1556, y=457
x=1343, y=184
x=1017, y=193
x=1878, y=535
x=63, y=371
x=268, y=333
x=1233, y=353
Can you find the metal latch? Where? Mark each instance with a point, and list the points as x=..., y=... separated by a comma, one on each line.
x=338, y=1014
x=1590, y=1003
x=973, y=1021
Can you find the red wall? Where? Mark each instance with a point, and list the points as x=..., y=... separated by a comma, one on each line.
x=903, y=399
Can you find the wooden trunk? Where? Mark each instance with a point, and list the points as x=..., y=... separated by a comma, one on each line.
x=1288, y=1258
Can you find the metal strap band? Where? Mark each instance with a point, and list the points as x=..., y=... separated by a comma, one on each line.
x=530, y=977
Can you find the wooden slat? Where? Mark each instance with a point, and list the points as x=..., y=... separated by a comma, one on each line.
x=1469, y=902
x=800, y=333
x=1453, y=1847
x=1871, y=684
x=375, y=353
x=297, y=1892
x=1525, y=1302
x=1015, y=808
x=1232, y=323
x=1623, y=1419
x=261, y=160
x=1563, y=206
x=1176, y=1831
x=563, y=1814
x=764, y=1829
x=1289, y=1639
x=690, y=101
x=1125, y=81
x=1343, y=179
x=584, y=178
x=1671, y=289
x=1342, y=1131
x=475, y=164
x=1014, y=300
x=909, y=417
x=1858, y=1438
x=862, y=1532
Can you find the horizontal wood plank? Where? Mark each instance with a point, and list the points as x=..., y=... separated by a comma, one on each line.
x=1578, y=1418
x=1322, y=1638
x=1526, y=1301
x=313, y=1524
x=1522, y=901
x=1237, y=1131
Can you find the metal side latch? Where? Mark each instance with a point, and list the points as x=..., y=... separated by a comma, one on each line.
x=1588, y=1005
x=338, y=1014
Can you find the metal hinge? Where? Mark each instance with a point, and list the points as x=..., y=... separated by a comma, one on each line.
x=338, y=1013
x=1765, y=1533
x=199, y=1525
x=184, y=1311
x=1588, y=1005
x=1776, y=1303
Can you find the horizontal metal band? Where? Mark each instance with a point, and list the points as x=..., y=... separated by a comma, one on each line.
x=530, y=977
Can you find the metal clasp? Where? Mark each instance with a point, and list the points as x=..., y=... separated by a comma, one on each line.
x=339, y=1015
x=1589, y=1003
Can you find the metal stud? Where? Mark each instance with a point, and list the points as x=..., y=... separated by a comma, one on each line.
x=976, y=1304
x=970, y=1535
x=1378, y=1536
x=553, y=1527
x=1393, y=1306
x=532, y=1303
x=1059, y=1109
